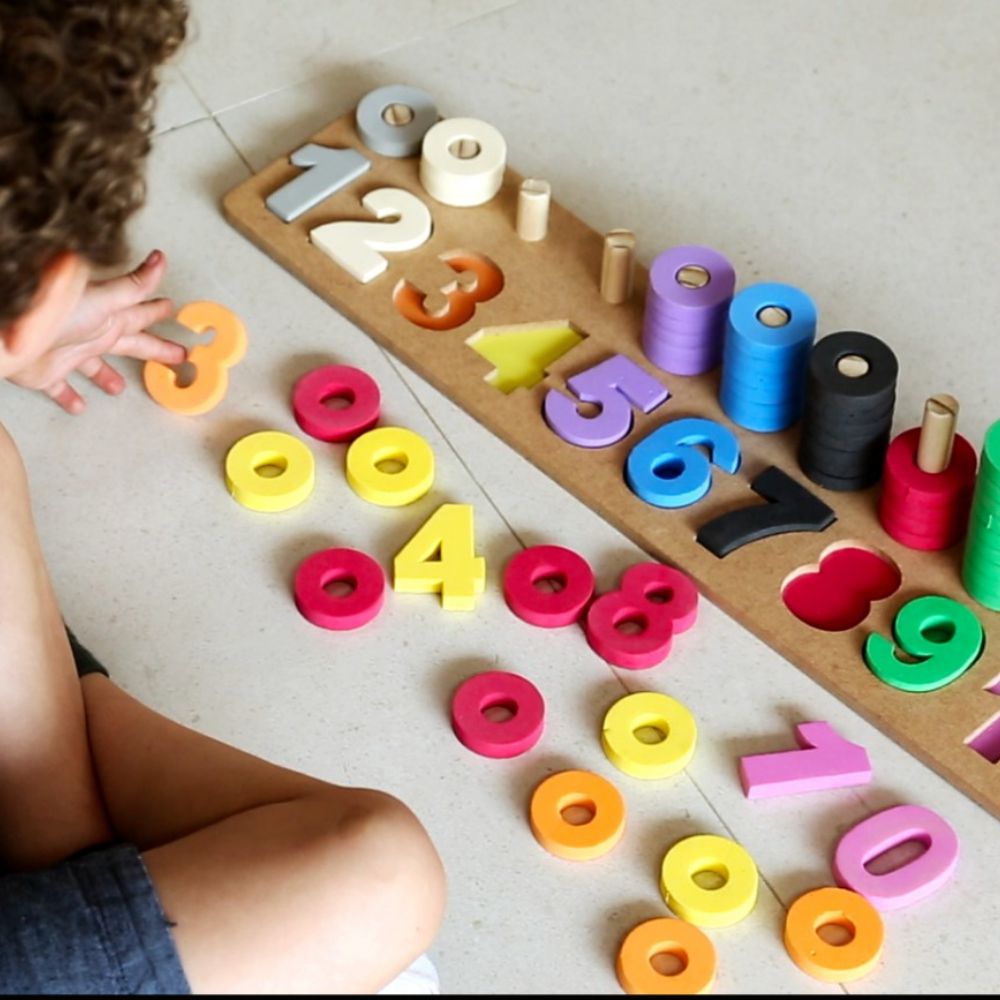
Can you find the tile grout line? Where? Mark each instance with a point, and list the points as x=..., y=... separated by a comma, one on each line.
x=396, y=364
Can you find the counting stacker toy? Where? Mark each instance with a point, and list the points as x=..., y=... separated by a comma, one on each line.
x=755, y=461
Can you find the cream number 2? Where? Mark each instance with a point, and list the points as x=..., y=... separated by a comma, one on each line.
x=355, y=246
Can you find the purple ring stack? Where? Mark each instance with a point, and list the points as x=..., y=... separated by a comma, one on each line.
x=684, y=325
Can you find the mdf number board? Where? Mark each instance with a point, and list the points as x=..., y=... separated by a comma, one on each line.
x=502, y=325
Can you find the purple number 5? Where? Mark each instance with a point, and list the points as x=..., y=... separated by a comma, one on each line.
x=615, y=385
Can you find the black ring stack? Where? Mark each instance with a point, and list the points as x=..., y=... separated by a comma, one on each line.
x=850, y=396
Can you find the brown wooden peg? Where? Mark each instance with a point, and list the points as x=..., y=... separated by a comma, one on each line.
x=937, y=433
x=618, y=266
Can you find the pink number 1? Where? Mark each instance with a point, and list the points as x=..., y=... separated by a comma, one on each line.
x=826, y=760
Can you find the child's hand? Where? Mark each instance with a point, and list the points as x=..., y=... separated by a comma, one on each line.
x=111, y=318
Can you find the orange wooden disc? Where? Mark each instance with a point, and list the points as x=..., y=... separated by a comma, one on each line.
x=834, y=963
x=577, y=841
x=684, y=941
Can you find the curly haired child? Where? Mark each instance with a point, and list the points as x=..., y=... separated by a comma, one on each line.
x=137, y=855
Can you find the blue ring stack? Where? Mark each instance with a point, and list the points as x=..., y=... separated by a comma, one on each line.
x=764, y=366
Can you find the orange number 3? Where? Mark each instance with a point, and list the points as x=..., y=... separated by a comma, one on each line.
x=211, y=361
x=461, y=307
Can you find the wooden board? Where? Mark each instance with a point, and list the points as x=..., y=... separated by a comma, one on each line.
x=558, y=279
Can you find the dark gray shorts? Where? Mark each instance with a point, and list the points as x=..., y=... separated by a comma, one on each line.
x=91, y=924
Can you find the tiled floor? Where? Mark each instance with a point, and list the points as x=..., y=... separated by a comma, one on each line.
x=849, y=149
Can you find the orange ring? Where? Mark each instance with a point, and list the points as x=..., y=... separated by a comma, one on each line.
x=577, y=842
x=654, y=937
x=834, y=963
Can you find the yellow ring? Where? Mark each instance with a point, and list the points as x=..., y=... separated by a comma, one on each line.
x=649, y=709
x=390, y=489
x=719, y=907
x=270, y=493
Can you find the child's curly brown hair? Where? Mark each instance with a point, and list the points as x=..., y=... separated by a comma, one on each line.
x=77, y=84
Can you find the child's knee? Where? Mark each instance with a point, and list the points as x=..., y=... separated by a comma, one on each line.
x=398, y=852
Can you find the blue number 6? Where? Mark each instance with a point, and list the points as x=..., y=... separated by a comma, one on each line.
x=666, y=469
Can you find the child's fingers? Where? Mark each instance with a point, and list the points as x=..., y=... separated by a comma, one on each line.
x=103, y=375
x=149, y=347
x=128, y=289
x=66, y=396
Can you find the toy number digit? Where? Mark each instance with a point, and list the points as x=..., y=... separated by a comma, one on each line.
x=356, y=571
x=666, y=469
x=910, y=882
x=655, y=601
x=211, y=361
x=825, y=760
x=615, y=385
x=290, y=475
x=369, y=455
x=457, y=573
x=548, y=608
x=326, y=172
x=790, y=507
x=355, y=245
x=944, y=636
x=487, y=282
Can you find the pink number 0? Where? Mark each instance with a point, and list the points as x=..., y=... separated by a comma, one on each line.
x=656, y=601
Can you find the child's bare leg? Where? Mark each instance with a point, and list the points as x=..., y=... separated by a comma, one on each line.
x=277, y=882
x=49, y=798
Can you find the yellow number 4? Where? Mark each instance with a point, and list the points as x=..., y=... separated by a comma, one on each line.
x=441, y=559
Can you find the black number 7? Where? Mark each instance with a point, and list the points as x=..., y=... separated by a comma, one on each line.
x=789, y=507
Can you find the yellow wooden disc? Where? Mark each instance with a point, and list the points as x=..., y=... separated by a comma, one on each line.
x=649, y=711
x=716, y=857
x=270, y=450
x=390, y=488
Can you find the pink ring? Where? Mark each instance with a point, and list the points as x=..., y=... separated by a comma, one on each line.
x=540, y=562
x=509, y=738
x=319, y=420
x=348, y=611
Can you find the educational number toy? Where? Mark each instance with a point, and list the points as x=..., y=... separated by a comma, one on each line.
x=720, y=428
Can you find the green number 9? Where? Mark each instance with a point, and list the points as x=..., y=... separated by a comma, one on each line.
x=945, y=637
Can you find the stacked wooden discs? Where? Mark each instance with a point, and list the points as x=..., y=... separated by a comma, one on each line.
x=850, y=396
x=769, y=335
x=690, y=288
x=981, y=562
x=928, y=479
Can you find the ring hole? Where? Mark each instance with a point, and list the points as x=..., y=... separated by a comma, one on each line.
x=339, y=399
x=186, y=373
x=579, y=813
x=669, y=962
x=634, y=624
x=341, y=586
x=550, y=584
x=836, y=930
x=270, y=466
x=938, y=630
x=853, y=366
x=392, y=464
x=397, y=114
x=650, y=734
x=501, y=710
x=898, y=855
x=669, y=468
x=692, y=276
x=659, y=595
x=774, y=316
x=465, y=149
x=711, y=877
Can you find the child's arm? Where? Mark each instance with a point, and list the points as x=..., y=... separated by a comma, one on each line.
x=111, y=318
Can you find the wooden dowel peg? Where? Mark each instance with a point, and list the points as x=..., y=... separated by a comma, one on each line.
x=937, y=433
x=618, y=265
x=533, y=209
